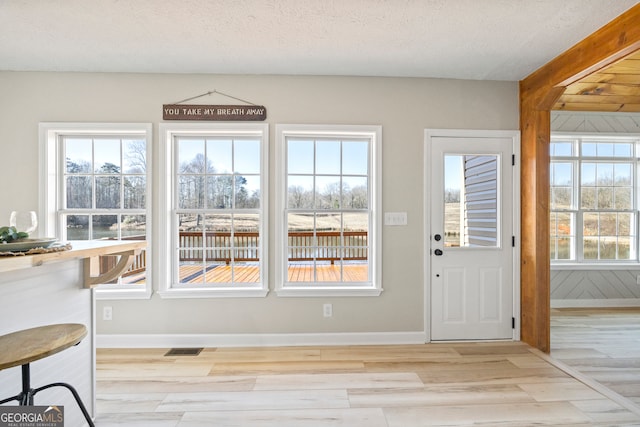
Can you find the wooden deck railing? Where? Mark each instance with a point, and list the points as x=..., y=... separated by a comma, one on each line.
x=303, y=246
x=218, y=246
x=327, y=246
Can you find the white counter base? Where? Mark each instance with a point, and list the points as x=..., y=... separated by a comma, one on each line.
x=49, y=294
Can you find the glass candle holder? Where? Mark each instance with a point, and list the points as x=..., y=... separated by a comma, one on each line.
x=26, y=221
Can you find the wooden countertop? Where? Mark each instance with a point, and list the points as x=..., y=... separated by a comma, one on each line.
x=82, y=249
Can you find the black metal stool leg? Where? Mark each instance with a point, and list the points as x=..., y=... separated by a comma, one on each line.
x=26, y=395
x=76, y=396
x=17, y=397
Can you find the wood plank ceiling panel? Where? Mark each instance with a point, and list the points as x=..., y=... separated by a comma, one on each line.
x=614, y=89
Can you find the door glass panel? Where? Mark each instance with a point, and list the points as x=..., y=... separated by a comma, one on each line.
x=452, y=200
x=470, y=200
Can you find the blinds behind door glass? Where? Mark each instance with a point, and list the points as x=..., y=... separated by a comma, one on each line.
x=481, y=201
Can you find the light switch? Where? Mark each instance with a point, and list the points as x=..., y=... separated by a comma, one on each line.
x=395, y=218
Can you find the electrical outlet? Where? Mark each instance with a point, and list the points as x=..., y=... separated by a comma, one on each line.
x=107, y=313
x=327, y=310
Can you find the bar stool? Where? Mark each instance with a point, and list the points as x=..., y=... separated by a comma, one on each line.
x=29, y=345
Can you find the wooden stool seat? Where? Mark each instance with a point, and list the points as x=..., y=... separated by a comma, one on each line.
x=20, y=348
x=29, y=345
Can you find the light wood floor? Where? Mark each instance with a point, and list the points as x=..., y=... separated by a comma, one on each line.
x=488, y=384
x=603, y=344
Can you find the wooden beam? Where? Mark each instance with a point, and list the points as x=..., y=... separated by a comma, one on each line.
x=603, y=89
x=596, y=107
x=538, y=93
x=614, y=41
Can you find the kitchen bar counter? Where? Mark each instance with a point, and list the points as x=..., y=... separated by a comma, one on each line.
x=49, y=288
x=89, y=250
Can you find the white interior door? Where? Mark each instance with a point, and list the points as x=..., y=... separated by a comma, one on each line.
x=471, y=236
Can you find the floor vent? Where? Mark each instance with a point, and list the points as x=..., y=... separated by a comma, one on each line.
x=183, y=352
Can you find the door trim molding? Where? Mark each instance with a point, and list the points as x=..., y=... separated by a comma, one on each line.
x=429, y=134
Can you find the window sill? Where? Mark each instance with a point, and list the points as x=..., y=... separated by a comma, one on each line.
x=596, y=266
x=213, y=293
x=291, y=291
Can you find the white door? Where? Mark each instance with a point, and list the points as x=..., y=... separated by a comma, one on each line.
x=472, y=236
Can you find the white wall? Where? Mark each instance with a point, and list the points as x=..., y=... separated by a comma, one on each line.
x=403, y=106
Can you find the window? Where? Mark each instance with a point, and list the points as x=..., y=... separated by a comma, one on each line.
x=216, y=209
x=328, y=225
x=472, y=200
x=98, y=190
x=593, y=199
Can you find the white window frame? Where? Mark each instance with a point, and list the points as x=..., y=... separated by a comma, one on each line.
x=51, y=194
x=167, y=235
x=577, y=245
x=311, y=289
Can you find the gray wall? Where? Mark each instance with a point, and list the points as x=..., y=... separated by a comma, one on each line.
x=403, y=106
x=568, y=121
x=611, y=286
x=607, y=287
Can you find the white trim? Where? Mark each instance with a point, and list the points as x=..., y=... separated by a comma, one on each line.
x=328, y=292
x=49, y=199
x=631, y=137
x=213, y=293
x=426, y=237
x=515, y=137
x=256, y=340
x=592, y=113
x=517, y=232
x=93, y=342
x=374, y=132
x=557, y=266
x=166, y=240
x=595, y=303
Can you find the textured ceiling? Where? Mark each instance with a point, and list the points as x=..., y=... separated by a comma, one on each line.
x=465, y=39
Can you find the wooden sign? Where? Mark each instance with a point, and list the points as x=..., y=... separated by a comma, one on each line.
x=214, y=112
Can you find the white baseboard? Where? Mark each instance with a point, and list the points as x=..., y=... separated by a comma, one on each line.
x=595, y=303
x=256, y=340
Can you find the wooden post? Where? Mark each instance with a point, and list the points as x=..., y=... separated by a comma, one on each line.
x=534, y=199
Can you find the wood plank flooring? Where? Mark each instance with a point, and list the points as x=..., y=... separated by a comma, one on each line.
x=463, y=384
x=603, y=344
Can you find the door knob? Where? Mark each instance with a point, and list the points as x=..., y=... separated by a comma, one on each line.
x=438, y=252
